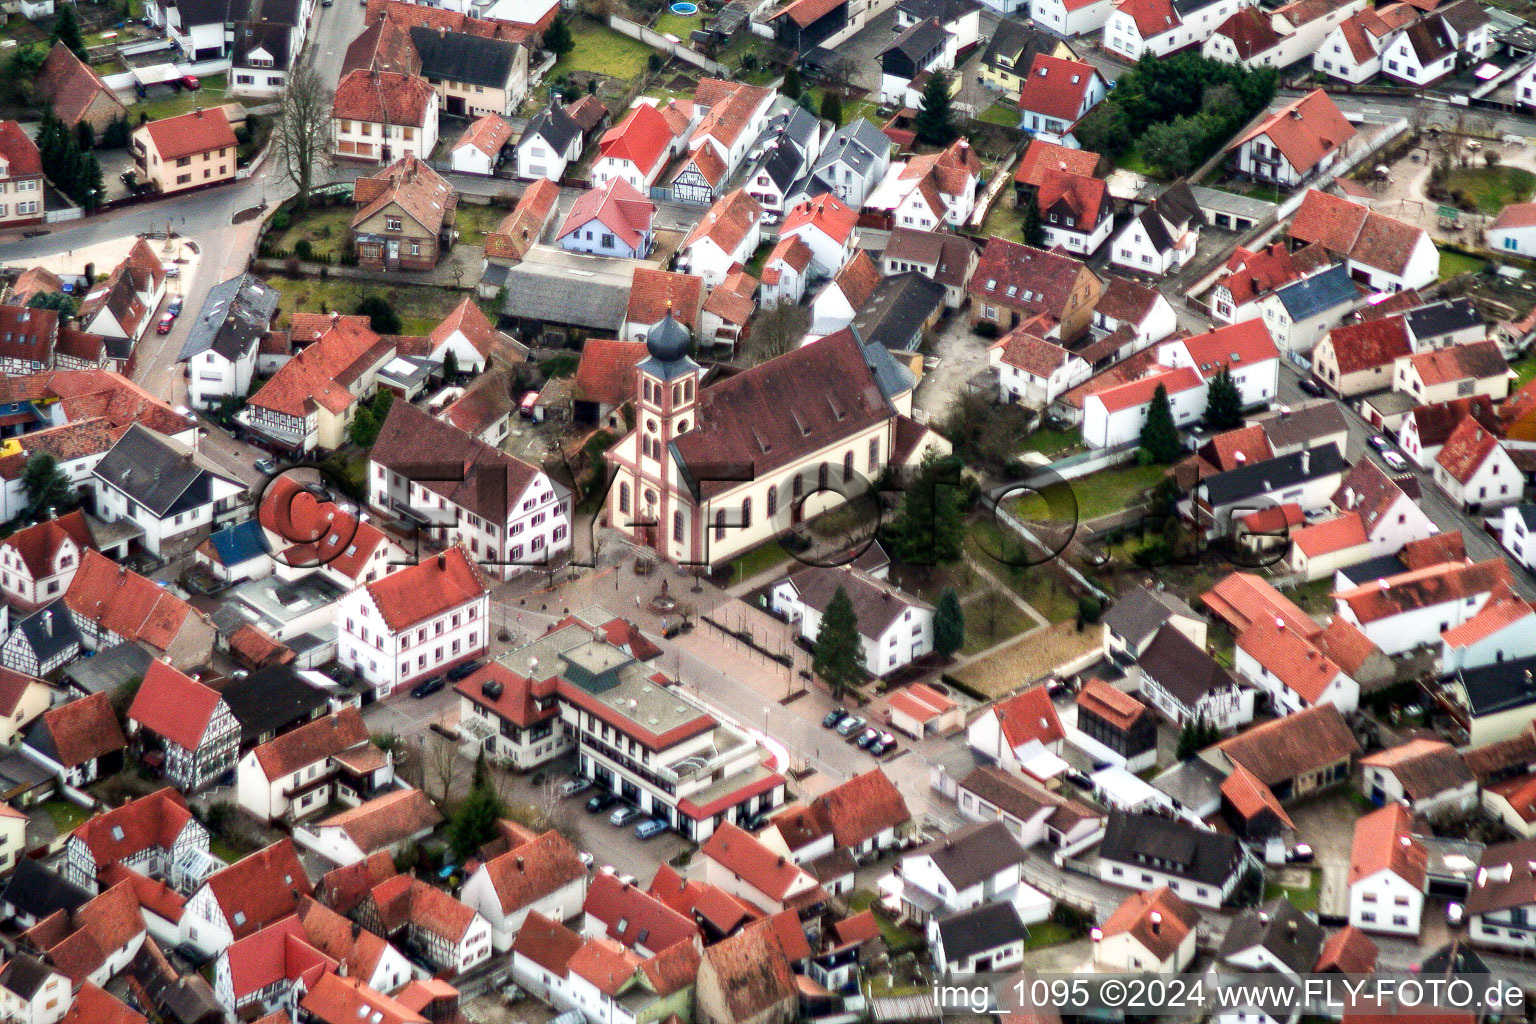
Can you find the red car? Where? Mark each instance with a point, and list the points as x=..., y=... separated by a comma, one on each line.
x=166, y=322
x=190, y=83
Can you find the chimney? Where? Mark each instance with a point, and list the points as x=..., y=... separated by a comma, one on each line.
x=1290, y=929
x=1240, y=457
x=48, y=623
x=1279, y=623
x=520, y=864
x=1157, y=922
x=442, y=560
x=1306, y=460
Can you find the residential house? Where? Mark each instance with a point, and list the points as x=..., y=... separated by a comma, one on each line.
x=1187, y=685
x=245, y=897
x=543, y=876
x=736, y=114
x=1162, y=237
x=895, y=628
x=222, y=347
x=1476, y=471
x=1499, y=631
x=76, y=92
x=1294, y=673
x=551, y=142
x=1517, y=524
x=1300, y=313
x=1440, y=375
x=1299, y=141
x=945, y=258
x=1031, y=812
x=1034, y=371
x=1151, y=931
x=746, y=979
x=827, y=226
x=1273, y=938
x=1354, y=50
x=479, y=149
x=474, y=75
x=1014, y=282
x=850, y=289
x=1249, y=276
x=270, y=970
x=1401, y=611
x=1514, y=229
x=170, y=492
x=303, y=771
x=508, y=514
x=38, y=562
x=154, y=836
x=1142, y=851
x=638, y=148
x=525, y=226
x=42, y=642
x=30, y=340
x=21, y=172
x=1056, y=95
x=1075, y=212
x=1132, y=622
x=786, y=271
x=1445, y=324
x=80, y=740
x=726, y=236
x=989, y=937
x=736, y=861
x=1358, y=358
x=1013, y=45
x=383, y=116
x=188, y=151
x=1306, y=478
x=1302, y=753
x=728, y=309
x=852, y=162
x=929, y=191
x=31, y=992
x=974, y=865
x=1387, y=873
x=1013, y=733
x=851, y=823
x=922, y=47
x=797, y=139
x=1501, y=903
x=1493, y=703
x=1382, y=253
x=1143, y=314
x=1429, y=775
x=612, y=219
x=1421, y=54
x=1159, y=27
x=110, y=604
x=342, y=1000
x=404, y=218
x=391, y=823
x=191, y=725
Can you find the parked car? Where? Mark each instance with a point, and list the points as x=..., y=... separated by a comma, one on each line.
x=879, y=747
x=573, y=786
x=1311, y=386
x=1079, y=780
x=1301, y=853
x=867, y=737
x=623, y=816
x=189, y=83
x=601, y=802
x=585, y=858
x=166, y=323
x=174, y=308
x=833, y=717
x=851, y=725
x=888, y=738
x=650, y=827
x=1394, y=460
x=266, y=466
x=754, y=823
x=1380, y=443
x=463, y=671
x=427, y=687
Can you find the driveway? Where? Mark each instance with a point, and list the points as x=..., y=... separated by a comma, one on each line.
x=962, y=355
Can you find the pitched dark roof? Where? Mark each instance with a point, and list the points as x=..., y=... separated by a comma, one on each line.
x=1018, y=43
x=1265, y=477
x=1143, y=611
x=918, y=40
x=973, y=853
x=272, y=699
x=893, y=316
x=1500, y=687
x=460, y=57
x=273, y=37
x=158, y=473
x=35, y=890
x=1290, y=936
x=944, y=10
x=1318, y=293
x=234, y=318
x=979, y=929
x=49, y=631
x=1178, y=848
x=1182, y=668
x=554, y=126
x=1442, y=317
x=109, y=669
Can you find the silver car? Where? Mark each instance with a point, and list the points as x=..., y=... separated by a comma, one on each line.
x=623, y=816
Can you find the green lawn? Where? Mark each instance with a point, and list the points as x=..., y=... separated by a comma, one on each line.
x=897, y=938
x=1304, y=900
x=222, y=849
x=421, y=308
x=1099, y=494
x=210, y=95
x=325, y=228
x=758, y=560
x=677, y=25
x=991, y=618
x=1136, y=164
x=601, y=50
x=1525, y=369
x=1003, y=220
x=997, y=548
x=66, y=817
x=1453, y=263
x=1048, y=933
x=1049, y=442
x=474, y=221
x=1001, y=113
x=1490, y=189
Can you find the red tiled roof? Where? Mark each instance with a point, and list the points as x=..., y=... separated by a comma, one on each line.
x=1042, y=157
x=1249, y=797
x=521, y=228
x=533, y=870
x=1349, y=229
x=411, y=185
x=1084, y=197
x=1022, y=276
x=190, y=134
x=335, y=999
x=722, y=910
x=383, y=97
x=95, y=1005
x=315, y=533
x=806, y=12
x=1384, y=842
x=863, y=807
x=1242, y=599
x=71, y=86
x=174, y=706
x=1056, y=87
x=1304, y=130
x=1502, y=610
x=468, y=319
x=19, y=152
x=320, y=375
x=1140, y=392
x=83, y=729
x=427, y=589
x=342, y=889
x=607, y=372
x=1515, y=215
x=826, y=213
x=643, y=138
x=311, y=742
x=385, y=821
x=1370, y=344
x=150, y=822
x=547, y=943
x=1469, y=446
x=728, y=222
x=37, y=546
x=628, y=912
x=1232, y=346
x=617, y=206
x=1422, y=588
x=1116, y=707
x=1290, y=658
x=1152, y=17
x=1347, y=951
x=1027, y=716
x=1478, y=360
x=1306, y=741
x=737, y=851
x=1252, y=274
x=260, y=889
x=655, y=293
x=1336, y=534
x=731, y=299
x=281, y=952
x=488, y=135
x=1251, y=32
x=1175, y=919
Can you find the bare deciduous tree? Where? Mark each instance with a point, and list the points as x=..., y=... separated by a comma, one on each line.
x=302, y=127
x=776, y=330
x=441, y=758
